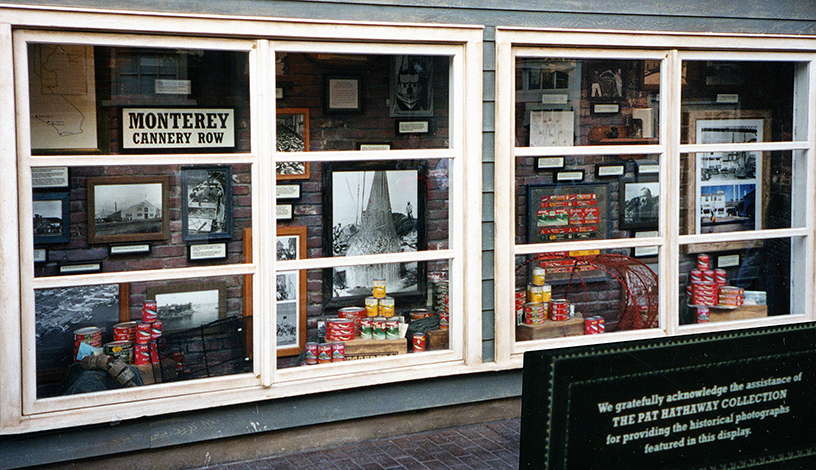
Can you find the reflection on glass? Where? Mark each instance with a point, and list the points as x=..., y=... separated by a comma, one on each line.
x=747, y=281
x=359, y=101
x=565, y=102
x=735, y=191
x=108, y=337
x=738, y=101
x=618, y=290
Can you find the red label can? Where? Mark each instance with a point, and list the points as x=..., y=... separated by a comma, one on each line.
x=378, y=328
x=559, y=310
x=125, y=331
x=156, y=329
x=141, y=354
x=696, y=276
x=149, y=310
x=719, y=277
x=324, y=353
x=338, y=352
x=311, y=353
x=418, y=342
x=144, y=333
x=591, y=326
x=703, y=261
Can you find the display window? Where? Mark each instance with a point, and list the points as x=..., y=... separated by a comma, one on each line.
x=639, y=177
x=236, y=218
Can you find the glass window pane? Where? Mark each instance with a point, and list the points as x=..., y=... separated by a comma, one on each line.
x=566, y=102
x=420, y=304
x=570, y=293
x=198, y=331
x=361, y=101
x=737, y=101
x=118, y=100
x=737, y=191
x=586, y=197
x=130, y=218
x=744, y=282
x=364, y=208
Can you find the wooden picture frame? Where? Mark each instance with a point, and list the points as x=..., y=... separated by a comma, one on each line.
x=292, y=135
x=291, y=292
x=717, y=126
x=128, y=209
x=51, y=218
x=175, y=301
x=206, y=203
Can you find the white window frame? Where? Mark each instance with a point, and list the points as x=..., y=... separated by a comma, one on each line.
x=672, y=48
x=21, y=411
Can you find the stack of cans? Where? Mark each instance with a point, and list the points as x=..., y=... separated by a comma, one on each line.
x=441, y=303
x=353, y=313
x=560, y=310
x=731, y=296
x=594, y=325
x=147, y=331
x=536, y=313
x=340, y=329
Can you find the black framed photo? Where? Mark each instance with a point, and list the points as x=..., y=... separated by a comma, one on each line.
x=412, y=86
x=374, y=208
x=52, y=221
x=128, y=209
x=606, y=79
x=640, y=203
x=343, y=94
x=561, y=212
x=206, y=203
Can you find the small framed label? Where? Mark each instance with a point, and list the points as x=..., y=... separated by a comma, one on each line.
x=642, y=251
x=80, y=268
x=609, y=170
x=728, y=261
x=605, y=108
x=206, y=251
x=554, y=98
x=49, y=177
x=413, y=127
x=284, y=212
x=287, y=191
x=121, y=250
x=373, y=146
x=649, y=169
x=727, y=98
x=571, y=176
x=40, y=255
x=278, y=93
x=549, y=163
x=173, y=87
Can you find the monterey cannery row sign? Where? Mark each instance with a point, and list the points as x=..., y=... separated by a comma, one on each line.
x=177, y=128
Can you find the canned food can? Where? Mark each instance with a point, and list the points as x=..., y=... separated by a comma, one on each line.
x=535, y=294
x=591, y=326
x=559, y=310
x=720, y=277
x=141, y=354
x=539, y=276
x=372, y=306
x=366, y=328
x=702, y=314
x=392, y=328
x=338, y=352
x=444, y=320
x=708, y=275
x=696, y=276
x=154, y=353
x=156, y=329
x=387, y=307
x=418, y=342
x=703, y=262
x=324, y=353
x=379, y=288
x=601, y=324
x=144, y=333
x=90, y=334
x=378, y=328
x=311, y=353
x=420, y=313
x=149, y=311
x=125, y=331
x=119, y=351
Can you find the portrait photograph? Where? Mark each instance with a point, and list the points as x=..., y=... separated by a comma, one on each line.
x=207, y=203
x=641, y=205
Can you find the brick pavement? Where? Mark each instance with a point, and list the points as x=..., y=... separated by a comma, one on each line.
x=488, y=446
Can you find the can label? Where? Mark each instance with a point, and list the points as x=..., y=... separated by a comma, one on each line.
x=379, y=288
x=703, y=262
x=418, y=342
x=156, y=329
x=144, y=333
x=539, y=276
x=387, y=307
x=366, y=328
x=338, y=352
x=372, y=306
x=444, y=320
x=324, y=353
x=559, y=310
x=702, y=314
x=141, y=354
x=420, y=313
x=392, y=328
x=535, y=294
x=149, y=311
x=591, y=326
x=378, y=328
x=311, y=353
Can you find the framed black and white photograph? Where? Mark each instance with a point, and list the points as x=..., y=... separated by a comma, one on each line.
x=343, y=94
x=128, y=208
x=290, y=300
x=51, y=218
x=189, y=305
x=374, y=208
x=206, y=212
x=292, y=134
x=641, y=204
x=606, y=81
x=412, y=86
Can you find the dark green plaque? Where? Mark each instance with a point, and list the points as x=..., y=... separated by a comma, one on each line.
x=726, y=400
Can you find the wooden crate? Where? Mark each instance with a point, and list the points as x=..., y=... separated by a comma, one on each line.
x=436, y=340
x=367, y=348
x=740, y=313
x=551, y=329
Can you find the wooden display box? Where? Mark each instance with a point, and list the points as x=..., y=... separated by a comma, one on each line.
x=740, y=313
x=367, y=348
x=551, y=329
x=436, y=340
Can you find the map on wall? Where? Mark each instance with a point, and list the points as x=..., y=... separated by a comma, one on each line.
x=63, y=97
